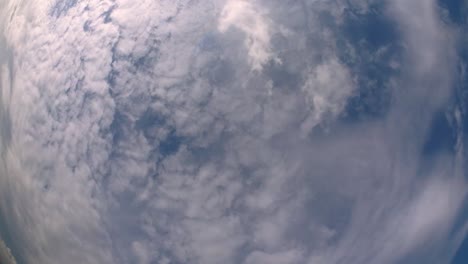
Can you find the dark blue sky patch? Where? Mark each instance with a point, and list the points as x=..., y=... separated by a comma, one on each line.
x=463, y=103
x=171, y=144
x=61, y=7
x=461, y=257
x=442, y=136
x=148, y=122
x=376, y=48
x=457, y=10
x=372, y=100
x=462, y=83
x=112, y=80
x=107, y=14
x=117, y=127
x=374, y=27
x=461, y=99
x=457, y=14
x=87, y=26
x=146, y=61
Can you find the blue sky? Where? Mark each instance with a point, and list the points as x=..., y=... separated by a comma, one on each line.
x=458, y=14
x=461, y=256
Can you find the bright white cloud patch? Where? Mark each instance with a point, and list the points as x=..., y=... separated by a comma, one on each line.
x=327, y=88
x=258, y=28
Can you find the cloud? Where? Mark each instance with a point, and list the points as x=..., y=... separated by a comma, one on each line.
x=5, y=254
x=276, y=258
x=168, y=132
x=257, y=27
x=328, y=88
x=49, y=204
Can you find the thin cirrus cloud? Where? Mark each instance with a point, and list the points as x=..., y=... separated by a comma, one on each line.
x=216, y=132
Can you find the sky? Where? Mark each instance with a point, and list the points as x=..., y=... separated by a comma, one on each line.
x=233, y=131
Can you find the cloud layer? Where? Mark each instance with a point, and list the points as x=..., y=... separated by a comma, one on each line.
x=230, y=132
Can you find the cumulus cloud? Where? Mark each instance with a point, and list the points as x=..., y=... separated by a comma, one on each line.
x=257, y=27
x=140, y=134
x=327, y=88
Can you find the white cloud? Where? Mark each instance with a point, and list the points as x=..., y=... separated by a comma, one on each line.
x=287, y=257
x=328, y=88
x=143, y=136
x=53, y=163
x=245, y=16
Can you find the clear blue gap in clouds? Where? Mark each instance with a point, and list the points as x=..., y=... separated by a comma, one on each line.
x=457, y=10
x=368, y=33
x=462, y=255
